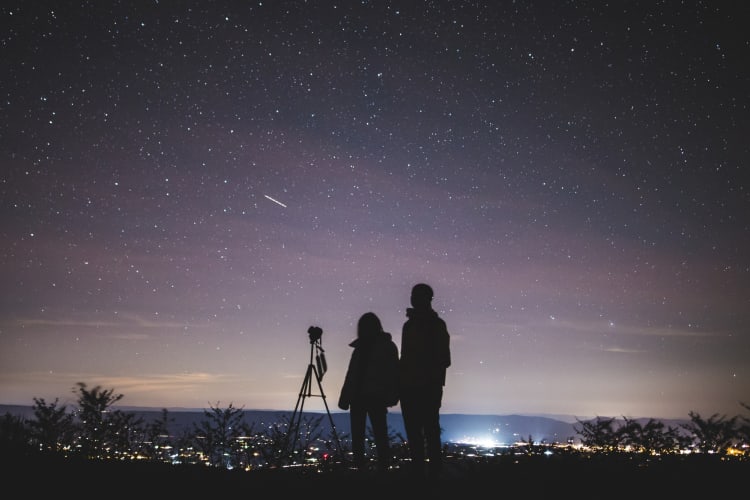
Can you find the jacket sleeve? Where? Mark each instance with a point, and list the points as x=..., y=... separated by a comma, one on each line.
x=443, y=352
x=392, y=376
x=345, y=397
x=446, y=349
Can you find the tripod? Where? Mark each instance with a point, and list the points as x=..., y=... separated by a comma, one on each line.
x=317, y=370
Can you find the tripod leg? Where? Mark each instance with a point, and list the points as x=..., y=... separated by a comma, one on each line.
x=330, y=417
x=296, y=420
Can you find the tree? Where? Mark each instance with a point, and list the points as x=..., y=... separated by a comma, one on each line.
x=283, y=446
x=125, y=434
x=53, y=427
x=743, y=426
x=309, y=432
x=275, y=442
x=714, y=435
x=649, y=438
x=157, y=440
x=598, y=434
x=95, y=429
x=14, y=435
x=217, y=437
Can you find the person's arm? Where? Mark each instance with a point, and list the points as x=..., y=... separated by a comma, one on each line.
x=345, y=397
x=447, y=350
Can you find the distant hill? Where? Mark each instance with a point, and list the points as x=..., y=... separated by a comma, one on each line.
x=457, y=428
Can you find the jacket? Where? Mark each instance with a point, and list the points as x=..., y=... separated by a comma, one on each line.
x=372, y=375
x=425, y=350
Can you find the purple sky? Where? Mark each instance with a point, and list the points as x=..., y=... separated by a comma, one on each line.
x=187, y=187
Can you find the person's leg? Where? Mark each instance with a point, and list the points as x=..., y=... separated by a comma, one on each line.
x=432, y=432
x=434, y=444
x=379, y=422
x=411, y=409
x=357, y=419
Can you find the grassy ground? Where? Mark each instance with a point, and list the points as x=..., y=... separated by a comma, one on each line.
x=528, y=477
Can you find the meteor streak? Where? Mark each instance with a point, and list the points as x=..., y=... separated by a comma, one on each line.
x=275, y=201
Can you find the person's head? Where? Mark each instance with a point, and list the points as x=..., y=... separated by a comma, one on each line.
x=368, y=325
x=421, y=295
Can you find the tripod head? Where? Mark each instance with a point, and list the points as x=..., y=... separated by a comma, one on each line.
x=315, y=333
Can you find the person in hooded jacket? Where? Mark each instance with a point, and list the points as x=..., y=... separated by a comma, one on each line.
x=425, y=356
x=370, y=387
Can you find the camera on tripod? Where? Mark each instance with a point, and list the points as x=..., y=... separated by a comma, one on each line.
x=315, y=333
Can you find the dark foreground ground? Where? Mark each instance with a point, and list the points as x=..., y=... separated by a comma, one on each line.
x=524, y=477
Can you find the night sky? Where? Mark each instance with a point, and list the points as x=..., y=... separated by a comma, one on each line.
x=187, y=187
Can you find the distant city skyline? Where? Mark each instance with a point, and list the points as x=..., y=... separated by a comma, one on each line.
x=186, y=188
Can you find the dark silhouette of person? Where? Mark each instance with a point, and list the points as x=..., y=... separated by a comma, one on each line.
x=370, y=387
x=425, y=356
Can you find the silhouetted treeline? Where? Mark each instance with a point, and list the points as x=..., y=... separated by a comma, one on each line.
x=94, y=430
